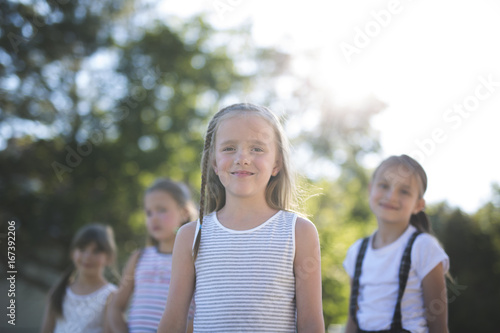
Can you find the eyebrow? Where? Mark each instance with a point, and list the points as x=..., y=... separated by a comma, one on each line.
x=404, y=186
x=229, y=142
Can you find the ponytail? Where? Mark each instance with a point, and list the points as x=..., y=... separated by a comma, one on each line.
x=421, y=222
x=57, y=295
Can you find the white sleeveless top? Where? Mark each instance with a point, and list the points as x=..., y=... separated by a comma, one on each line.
x=245, y=279
x=84, y=313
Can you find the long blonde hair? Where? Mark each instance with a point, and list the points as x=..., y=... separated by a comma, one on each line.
x=280, y=191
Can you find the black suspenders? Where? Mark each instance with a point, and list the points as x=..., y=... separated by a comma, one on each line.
x=404, y=270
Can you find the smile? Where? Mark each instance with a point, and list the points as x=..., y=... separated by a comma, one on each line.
x=242, y=173
x=387, y=206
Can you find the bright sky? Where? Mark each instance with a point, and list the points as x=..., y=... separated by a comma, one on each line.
x=434, y=63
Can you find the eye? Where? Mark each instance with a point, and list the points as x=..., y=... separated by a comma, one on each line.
x=227, y=149
x=258, y=149
x=383, y=186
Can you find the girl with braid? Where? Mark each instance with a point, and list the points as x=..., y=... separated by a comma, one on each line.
x=252, y=264
x=398, y=273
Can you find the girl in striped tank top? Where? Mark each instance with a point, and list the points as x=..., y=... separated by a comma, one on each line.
x=146, y=278
x=251, y=263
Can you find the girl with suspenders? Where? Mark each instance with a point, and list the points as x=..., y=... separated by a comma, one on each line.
x=398, y=273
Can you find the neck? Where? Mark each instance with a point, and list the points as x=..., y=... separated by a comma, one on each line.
x=241, y=214
x=84, y=280
x=387, y=234
x=166, y=246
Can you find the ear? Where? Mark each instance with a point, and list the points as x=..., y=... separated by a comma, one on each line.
x=109, y=259
x=214, y=166
x=185, y=214
x=419, y=206
x=277, y=167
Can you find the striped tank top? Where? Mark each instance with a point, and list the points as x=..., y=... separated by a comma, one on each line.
x=151, y=282
x=245, y=279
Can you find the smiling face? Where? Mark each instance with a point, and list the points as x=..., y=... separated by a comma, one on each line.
x=245, y=155
x=163, y=215
x=395, y=195
x=90, y=260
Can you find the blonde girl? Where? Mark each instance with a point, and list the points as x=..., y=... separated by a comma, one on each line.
x=78, y=303
x=251, y=263
x=398, y=273
x=146, y=278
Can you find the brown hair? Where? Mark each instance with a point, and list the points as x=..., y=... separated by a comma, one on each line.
x=280, y=191
x=180, y=193
x=103, y=237
x=408, y=167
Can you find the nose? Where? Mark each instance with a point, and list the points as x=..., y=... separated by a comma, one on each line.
x=153, y=216
x=86, y=255
x=391, y=194
x=242, y=158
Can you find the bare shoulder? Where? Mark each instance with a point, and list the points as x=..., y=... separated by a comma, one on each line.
x=187, y=230
x=132, y=262
x=305, y=228
x=185, y=236
x=135, y=256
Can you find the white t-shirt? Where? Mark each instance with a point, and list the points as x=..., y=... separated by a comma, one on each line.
x=379, y=281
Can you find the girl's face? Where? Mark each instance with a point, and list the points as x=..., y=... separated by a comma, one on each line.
x=163, y=215
x=245, y=155
x=89, y=260
x=395, y=195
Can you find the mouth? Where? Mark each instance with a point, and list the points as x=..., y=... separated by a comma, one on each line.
x=242, y=173
x=388, y=206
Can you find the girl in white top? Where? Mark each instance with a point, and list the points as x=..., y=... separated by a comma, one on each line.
x=381, y=299
x=78, y=303
x=251, y=263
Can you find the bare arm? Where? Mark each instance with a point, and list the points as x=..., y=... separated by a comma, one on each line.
x=182, y=283
x=435, y=300
x=106, y=326
x=116, y=309
x=351, y=325
x=190, y=327
x=49, y=320
x=307, y=268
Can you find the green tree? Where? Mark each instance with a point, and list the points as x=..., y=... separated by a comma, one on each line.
x=95, y=105
x=471, y=242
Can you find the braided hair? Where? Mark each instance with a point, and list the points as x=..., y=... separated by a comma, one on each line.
x=280, y=193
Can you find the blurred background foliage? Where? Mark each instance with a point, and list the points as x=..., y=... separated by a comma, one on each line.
x=98, y=98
